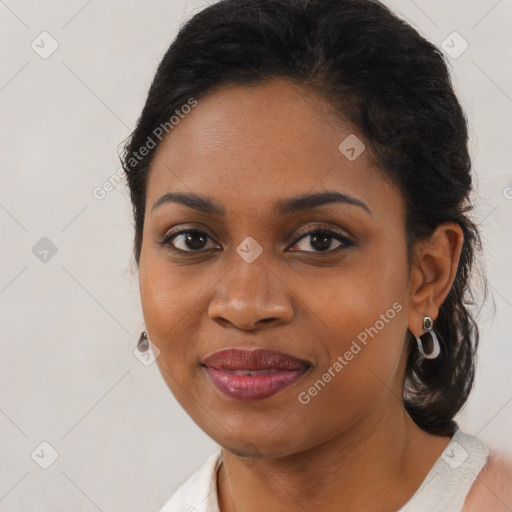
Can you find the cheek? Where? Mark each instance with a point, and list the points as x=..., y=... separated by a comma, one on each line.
x=353, y=297
x=173, y=300
x=165, y=304
x=168, y=292
x=168, y=315
x=361, y=312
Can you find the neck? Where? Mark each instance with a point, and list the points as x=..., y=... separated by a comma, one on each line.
x=374, y=462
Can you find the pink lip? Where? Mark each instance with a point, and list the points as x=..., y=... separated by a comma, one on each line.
x=224, y=370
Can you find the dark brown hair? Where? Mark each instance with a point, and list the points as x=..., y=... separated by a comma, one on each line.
x=391, y=84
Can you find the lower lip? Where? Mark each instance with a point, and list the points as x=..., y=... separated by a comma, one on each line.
x=252, y=387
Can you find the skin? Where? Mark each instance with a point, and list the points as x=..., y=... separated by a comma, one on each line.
x=492, y=490
x=247, y=148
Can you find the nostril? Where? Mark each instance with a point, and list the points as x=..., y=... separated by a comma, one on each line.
x=266, y=320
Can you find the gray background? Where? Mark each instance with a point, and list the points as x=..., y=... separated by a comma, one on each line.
x=70, y=320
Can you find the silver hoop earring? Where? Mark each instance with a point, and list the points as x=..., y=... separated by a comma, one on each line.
x=143, y=343
x=436, y=349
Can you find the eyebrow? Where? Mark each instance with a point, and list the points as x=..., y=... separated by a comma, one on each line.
x=300, y=203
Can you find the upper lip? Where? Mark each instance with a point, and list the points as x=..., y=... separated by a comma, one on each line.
x=257, y=359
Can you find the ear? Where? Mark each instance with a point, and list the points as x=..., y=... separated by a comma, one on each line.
x=434, y=267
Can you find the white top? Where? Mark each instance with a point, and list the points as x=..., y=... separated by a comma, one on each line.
x=444, y=488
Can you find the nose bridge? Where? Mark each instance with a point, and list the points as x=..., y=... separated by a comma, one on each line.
x=252, y=292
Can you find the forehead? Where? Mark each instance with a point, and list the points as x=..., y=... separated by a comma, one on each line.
x=252, y=145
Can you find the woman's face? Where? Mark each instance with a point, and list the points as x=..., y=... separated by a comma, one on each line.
x=252, y=278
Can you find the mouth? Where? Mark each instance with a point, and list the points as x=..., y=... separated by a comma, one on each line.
x=249, y=375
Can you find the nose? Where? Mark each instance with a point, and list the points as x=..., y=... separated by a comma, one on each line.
x=251, y=297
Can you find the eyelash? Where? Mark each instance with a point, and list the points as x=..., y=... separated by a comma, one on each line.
x=345, y=242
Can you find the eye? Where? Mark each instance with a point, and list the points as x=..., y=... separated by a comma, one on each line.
x=322, y=240
x=196, y=241
x=191, y=240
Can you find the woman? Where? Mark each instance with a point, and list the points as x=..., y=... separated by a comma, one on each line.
x=300, y=182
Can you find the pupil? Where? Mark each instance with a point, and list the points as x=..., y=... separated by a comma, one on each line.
x=321, y=242
x=192, y=240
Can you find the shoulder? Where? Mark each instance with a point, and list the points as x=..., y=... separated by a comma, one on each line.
x=492, y=489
